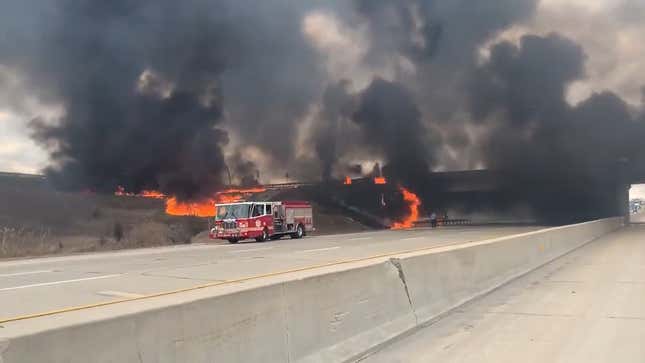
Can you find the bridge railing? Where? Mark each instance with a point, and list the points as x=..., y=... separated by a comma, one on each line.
x=445, y=222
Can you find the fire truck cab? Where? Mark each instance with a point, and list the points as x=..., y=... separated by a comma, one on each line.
x=261, y=220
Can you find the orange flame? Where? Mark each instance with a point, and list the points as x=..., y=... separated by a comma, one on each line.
x=201, y=208
x=235, y=195
x=120, y=192
x=413, y=206
x=348, y=181
x=380, y=180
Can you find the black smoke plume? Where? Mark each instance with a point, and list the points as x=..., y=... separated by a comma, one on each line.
x=143, y=85
x=141, y=101
x=337, y=106
x=391, y=123
x=243, y=172
x=566, y=161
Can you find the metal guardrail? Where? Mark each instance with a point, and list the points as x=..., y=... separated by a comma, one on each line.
x=287, y=185
x=445, y=222
x=453, y=222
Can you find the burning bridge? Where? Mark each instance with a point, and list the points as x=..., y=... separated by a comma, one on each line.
x=552, y=198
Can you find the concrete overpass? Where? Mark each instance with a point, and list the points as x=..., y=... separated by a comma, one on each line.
x=611, y=194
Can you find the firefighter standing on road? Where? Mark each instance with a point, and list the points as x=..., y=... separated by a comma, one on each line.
x=433, y=219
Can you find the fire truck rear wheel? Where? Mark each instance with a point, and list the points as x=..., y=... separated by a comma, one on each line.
x=233, y=240
x=300, y=231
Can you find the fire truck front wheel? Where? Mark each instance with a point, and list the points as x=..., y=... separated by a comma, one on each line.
x=233, y=240
x=264, y=236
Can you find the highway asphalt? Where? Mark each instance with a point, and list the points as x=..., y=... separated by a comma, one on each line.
x=588, y=306
x=32, y=286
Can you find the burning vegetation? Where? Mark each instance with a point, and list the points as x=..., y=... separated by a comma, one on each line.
x=204, y=207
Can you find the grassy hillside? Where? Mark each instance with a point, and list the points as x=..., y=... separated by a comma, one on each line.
x=36, y=219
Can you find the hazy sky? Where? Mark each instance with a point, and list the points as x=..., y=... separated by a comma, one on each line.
x=610, y=31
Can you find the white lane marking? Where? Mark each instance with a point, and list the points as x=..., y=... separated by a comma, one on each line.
x=118, y=294
x=358, y=238
x=112, y=254
x=25, y=273
x=251, y=250
x=411, y=238
x=58, y=282
x=364, y=234
x=320, y=249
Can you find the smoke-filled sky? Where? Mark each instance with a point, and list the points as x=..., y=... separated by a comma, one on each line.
x=176, y=95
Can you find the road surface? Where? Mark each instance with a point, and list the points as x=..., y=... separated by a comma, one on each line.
x=588, y=306
x=32, y=286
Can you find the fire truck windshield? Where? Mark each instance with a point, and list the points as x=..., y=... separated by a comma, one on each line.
x=232, y=211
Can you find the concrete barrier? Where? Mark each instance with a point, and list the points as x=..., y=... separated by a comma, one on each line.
x=440, y=281
x=329, y=314
x=316, y=318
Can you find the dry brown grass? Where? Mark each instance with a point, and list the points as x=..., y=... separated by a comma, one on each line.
x=19, y=241
x=37, y=220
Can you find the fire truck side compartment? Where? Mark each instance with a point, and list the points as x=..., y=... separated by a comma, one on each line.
x=278, y=218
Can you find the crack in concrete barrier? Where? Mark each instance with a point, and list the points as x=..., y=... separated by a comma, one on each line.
x=396, y=262
x=285, y=316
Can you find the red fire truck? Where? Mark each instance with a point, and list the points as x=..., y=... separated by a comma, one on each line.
x=261, y=220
